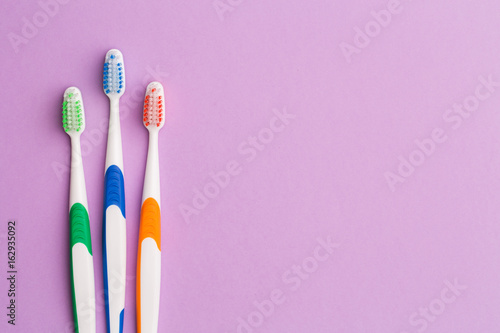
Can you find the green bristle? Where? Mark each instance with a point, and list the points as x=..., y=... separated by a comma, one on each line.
x=72, y=112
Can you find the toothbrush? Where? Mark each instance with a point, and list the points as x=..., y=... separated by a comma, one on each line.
x=82, y=262
x=114, y=227
x=149, y=254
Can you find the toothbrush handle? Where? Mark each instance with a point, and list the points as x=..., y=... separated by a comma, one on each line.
x=114, y=248
x=82, y=270
x=149, y=267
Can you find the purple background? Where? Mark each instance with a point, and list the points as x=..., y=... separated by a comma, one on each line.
x=323, y=175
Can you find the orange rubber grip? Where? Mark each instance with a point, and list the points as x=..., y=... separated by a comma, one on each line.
x=150, y=222
x=150, y=227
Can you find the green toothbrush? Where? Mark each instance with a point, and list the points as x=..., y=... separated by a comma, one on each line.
x=82, y=262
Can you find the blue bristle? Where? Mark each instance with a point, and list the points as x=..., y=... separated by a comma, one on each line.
x=113, y=78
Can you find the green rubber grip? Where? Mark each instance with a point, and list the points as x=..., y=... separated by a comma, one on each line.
x=79, y=233
x=79, y=226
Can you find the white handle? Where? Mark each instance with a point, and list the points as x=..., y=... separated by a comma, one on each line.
x=82, y=265
x=150, y=277
x=149, y=259
x=115, y=266
x=83, y=280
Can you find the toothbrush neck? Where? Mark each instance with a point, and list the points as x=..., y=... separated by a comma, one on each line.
x=77, y=178
x=114, y=104
x=114, y=154
x=76, y=152
x=152, y=176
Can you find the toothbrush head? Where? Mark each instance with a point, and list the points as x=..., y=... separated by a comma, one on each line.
x=154, y=106
x=73, y=116
x=113, y=78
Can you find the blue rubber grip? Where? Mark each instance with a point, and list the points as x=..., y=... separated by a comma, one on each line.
x=114, y=189
x=114, y=194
